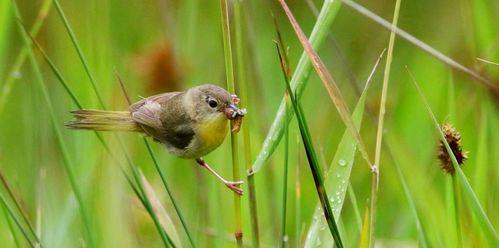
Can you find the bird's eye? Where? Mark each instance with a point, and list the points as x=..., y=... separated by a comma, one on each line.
x=213, y=103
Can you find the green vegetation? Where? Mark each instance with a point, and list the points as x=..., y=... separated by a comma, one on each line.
x=319, y=110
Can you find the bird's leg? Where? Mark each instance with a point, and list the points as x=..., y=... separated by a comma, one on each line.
x=234, y=186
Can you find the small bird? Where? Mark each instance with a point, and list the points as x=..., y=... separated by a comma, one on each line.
x=189, y=123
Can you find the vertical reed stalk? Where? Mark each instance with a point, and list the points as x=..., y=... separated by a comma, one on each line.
x=379, y=135
x=244, y=94
x=229, y=69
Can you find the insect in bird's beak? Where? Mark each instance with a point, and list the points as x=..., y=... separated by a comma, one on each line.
x=233, y=112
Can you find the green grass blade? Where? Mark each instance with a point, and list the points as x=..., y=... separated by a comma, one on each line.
x=79, y=51
x=62, y=146
x=16, y=220
x=24, y=216
x=298, y=82
x=163, y=217
x=311, y=154
x=17, y=242
x=328, y=82
x=353, y=199
x=338, y=176
x=21, y=57
x=468, y=192
x=170, y=194
x=423, y=241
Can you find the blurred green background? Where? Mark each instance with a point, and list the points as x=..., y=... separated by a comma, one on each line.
x=164, y=45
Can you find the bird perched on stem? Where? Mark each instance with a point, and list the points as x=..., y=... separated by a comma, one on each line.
x=189, y=123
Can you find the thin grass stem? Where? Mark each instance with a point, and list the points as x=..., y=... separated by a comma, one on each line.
x=243, y=91
x=379, y=133
x=21, y=57
x=229, y=70
x=72, y=35
x=298, y=82
x=62, y=146
x=311, y=154
x=18, y=223
x=18, y=206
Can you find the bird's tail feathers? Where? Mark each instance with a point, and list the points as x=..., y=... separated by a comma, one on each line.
x=102, y=120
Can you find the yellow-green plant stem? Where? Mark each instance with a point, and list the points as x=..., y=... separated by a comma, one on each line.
x=244, y=88
x=379, y=133
x=18, y=207
x=311, y=154
x=62, y=146
x=298, y=82
x=229, y=70
x=10, y=213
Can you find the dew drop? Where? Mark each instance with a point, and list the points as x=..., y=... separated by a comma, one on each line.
x=342, y=162
x=17, y=74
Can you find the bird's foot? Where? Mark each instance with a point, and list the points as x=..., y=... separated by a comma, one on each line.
x=234, y=186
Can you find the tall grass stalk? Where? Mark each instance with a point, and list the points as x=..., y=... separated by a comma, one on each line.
x=68, y=163
x=328, y=82
x=78, y=50
x=311, y=154
x=468, y=193
x=229, y=70
x=19, y=209
x=298, y=81
x=379, y=133
x=239, y=20
x=16, y=240
x=11, y=214
x=338, y=174
x=422, y=45
x=21, y=57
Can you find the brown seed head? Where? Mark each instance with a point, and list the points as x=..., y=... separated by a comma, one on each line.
x=454, y=139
